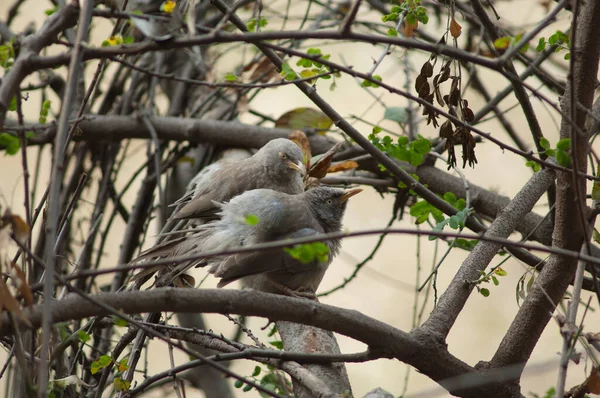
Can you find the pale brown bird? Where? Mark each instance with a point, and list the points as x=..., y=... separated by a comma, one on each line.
x=260, y=216
x=278, y=166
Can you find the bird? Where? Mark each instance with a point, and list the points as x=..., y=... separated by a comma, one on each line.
x=278, y=165
x=261, y=216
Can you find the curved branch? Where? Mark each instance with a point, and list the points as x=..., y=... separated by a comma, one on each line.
x=384, y=340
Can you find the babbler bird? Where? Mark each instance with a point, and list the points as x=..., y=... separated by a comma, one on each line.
x=260, y=216
x=278, y=166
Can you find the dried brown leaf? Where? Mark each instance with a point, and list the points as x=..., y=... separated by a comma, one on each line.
x=10, y=304
x=343, y=166
x=455, y=28
x=22, y=285
x=302, y=141
x=261, y=71
x=427, y=69
x=321, y=166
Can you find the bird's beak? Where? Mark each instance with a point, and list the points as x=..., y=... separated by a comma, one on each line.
x=350, y=193
x=297, y=166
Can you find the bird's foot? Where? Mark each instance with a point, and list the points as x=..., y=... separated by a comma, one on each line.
x=295, y=293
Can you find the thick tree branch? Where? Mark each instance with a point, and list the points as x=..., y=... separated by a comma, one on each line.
x=227, y=134
x=385, y=341
x=549, y=288
x=32, y=45
x=454, y=298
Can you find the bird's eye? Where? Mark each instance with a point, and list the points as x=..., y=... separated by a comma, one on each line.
x=283, y=156
x=329, y=201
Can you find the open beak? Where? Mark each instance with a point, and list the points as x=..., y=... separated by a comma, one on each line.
x=350, y=193
x=297, y=166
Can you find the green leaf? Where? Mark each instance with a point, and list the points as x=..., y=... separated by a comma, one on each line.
x=376, y=130
x=495, y=280
x=596, y=186
x=10, y=143
x=450, y=197
x=129, y=39
x=596, y=236
x=251, y=219
x=396, y=114
x=51, y=11
x=238, y=384
x=256, y=371
x=484, y=292
x=13, y=104
x=541, y=45
x=502, y=43
x=567, y=56
x=100, y=363
x=247, y=388
x=392, y=32
x=553, y=39
x=309, y=252
x=563, y=158
x=564, y=144
x=422, y=145
x=119, y=321
x=121, y=385
x=544, y=143
x=230, y=77
x=277, y=344
x=83, y=336
x=500, y=272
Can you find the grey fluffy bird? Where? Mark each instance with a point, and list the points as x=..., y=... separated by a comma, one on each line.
x=280, y=217
x=278, y=165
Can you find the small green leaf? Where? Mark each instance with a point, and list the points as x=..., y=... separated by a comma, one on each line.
x=500, y=272
x=567, y=56
x=256, y=371
x=247, y=388
x=277, y=344
x=51, y=11
x=563, y=158
x=121, y=385
x=450, y=197
x=230, y=77
x=484, y=292
x=392, y=32
x=83, y=336
x=251, y=219
x=119, y=321
x=495, y=280
x=544, y=143
x=13, y=104
x=502, y=43
x=422, y=145
x=10, y=143
x=238, y=384
x=100, y=363
x=564, y=144
x=541, y=45
x=596, y=236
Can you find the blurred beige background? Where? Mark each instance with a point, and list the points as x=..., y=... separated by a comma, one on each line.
x=385, y=288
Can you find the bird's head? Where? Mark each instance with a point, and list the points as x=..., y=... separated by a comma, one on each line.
x=282, y=157
x=329, y=205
